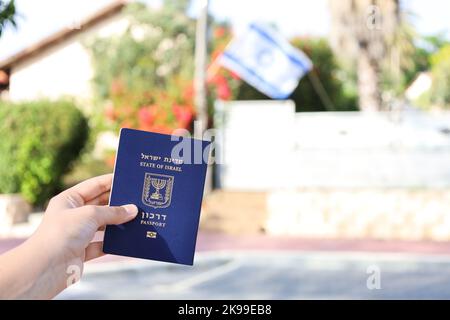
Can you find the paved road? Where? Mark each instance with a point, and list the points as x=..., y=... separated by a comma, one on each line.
x=269, y=275
x=219, y=242
x=257, y=266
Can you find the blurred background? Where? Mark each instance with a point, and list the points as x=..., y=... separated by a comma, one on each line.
x=339, y=188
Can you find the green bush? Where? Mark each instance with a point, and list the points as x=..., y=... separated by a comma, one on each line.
x=305, y=96
x=39, y=142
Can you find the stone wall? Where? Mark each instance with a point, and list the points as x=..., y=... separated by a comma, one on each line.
x=389, y=214
x=361, y=213
x=234, y=212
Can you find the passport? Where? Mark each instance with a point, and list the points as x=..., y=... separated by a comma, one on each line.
x=165, y=180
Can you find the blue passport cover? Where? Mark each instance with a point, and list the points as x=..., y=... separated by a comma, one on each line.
x=168, y=191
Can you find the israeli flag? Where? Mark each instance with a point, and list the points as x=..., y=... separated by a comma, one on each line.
x=267, y=61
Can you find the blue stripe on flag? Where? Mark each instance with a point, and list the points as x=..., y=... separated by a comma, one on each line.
x=269, y=38
x=277, y=94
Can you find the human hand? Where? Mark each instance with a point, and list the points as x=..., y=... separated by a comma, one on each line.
x=62, y=243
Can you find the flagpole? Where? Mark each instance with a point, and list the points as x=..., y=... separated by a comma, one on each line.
x=200, y=85
x=320, y=90
x=201, y=56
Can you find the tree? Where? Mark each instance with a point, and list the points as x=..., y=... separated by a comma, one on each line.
x=440, y=90
x=363, y=30
x=145, y=74
x=7, y=15
x=144, y=77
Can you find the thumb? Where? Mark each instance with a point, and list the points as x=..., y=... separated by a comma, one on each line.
x=104, y=215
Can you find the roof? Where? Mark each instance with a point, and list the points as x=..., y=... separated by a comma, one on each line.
x=63, y=34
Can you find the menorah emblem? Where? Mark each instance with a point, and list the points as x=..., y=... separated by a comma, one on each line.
x=158, y=184
x=157, y=190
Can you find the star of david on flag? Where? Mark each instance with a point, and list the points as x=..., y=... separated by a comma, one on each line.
x=266, y=60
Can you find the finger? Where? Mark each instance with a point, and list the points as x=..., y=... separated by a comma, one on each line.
x=82, y=193
x=101, y=200
x=94, y=250
x=91, y=188
x=104, y=215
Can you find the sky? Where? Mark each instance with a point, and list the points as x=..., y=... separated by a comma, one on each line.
x=294, y=17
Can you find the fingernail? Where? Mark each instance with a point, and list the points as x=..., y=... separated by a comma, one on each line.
x=131, y=209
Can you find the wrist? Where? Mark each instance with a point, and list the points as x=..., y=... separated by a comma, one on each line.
x=45, y=267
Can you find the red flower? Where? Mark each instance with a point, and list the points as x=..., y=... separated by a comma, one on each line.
x=110, y=160
x=234, y=75
x=110, y=112
x=223, y=91
x=161, y=129
x=126, y=124
x=145, y=128
x=219, y=32
x=117, y=87
x=147, y=115
x=188, y=93
x=183, y=114
x=218, y=79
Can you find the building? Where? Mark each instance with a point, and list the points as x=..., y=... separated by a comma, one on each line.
x=60, y=65
x=421, y=84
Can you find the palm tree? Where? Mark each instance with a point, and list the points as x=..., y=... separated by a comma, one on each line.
x=363, y=30
x=7, y=14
